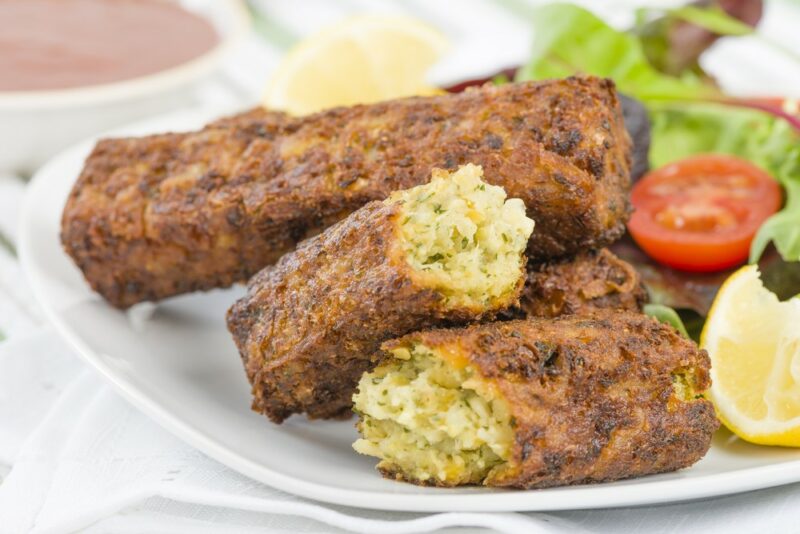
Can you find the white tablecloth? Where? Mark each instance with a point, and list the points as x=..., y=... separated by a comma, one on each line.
x=76, y=457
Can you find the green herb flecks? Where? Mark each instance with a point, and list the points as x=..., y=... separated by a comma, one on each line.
x=434, y=258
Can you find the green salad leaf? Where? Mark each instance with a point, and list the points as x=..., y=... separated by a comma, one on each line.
x=688, y=115
x=712, y=19
x=665, y=314
x=781, y=277
x=765, y=140
x=569, y=39
x=782, y=229
x=674, y=39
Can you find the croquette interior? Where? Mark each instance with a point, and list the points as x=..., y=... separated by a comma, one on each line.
x=684, y=384
x=431, y=421
x=464, y=237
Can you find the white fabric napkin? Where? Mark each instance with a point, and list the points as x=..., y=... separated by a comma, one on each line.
x=84, y=460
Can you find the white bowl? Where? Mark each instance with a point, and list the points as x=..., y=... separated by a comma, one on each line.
x=34, y=125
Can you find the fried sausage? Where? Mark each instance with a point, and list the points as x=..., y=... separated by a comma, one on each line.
x=537, y=403
x=445, y=252
x=162, y=215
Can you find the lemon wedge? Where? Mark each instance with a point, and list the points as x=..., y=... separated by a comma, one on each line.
x=362, y=60
x=753, y=340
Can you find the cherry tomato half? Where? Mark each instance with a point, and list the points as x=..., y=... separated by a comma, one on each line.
x=700, y=214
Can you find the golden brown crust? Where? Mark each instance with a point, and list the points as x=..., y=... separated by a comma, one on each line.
x=155, y=216
x=161, y=215
x=589, y=281
x=592, y=397
x=309, y=324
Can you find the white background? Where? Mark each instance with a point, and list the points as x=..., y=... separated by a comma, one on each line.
x=58, y=418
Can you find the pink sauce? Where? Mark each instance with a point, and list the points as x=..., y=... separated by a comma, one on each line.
x=55, y=44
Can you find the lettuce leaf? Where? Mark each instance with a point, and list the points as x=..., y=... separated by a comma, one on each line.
x=767, y=141
x=782, y=229
x=665, y=314
x=569, y=40
x=712, y=18
x=688, y=116
x=674, y=39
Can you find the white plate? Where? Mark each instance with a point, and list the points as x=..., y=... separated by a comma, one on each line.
x=179, y=366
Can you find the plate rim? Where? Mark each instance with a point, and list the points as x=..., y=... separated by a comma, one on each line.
x=579, y=497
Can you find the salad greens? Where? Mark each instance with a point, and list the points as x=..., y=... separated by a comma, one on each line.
x=781, y=277
x=712, y=18
x=689, y=115
x=765, y=140
x=667, y=315
x=783, y=228
x=569, y=39
x=656, y=62
x=673, y=39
